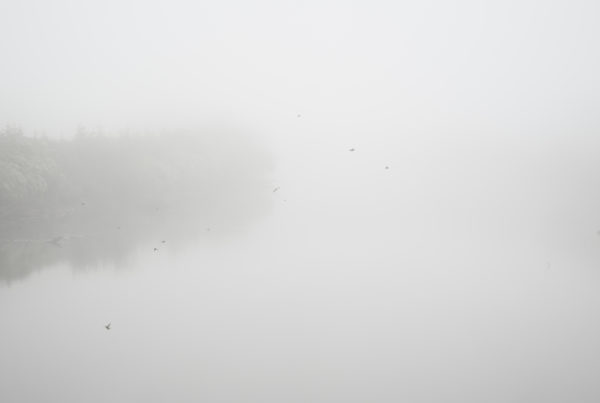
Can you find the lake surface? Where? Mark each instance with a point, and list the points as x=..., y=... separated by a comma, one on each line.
x=358, y=284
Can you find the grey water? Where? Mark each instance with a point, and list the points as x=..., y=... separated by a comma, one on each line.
x=351, y=282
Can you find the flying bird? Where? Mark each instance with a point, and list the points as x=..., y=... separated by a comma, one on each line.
x=276, y=189
x=163, y=241
x=107, y=326
x=387, y=167
x=58, y=241
x=155, y=249
x=351, y=150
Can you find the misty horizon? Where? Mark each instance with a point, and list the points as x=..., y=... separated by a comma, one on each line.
x=299, y=201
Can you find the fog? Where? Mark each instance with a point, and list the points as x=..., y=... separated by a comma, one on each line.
x=299, y=201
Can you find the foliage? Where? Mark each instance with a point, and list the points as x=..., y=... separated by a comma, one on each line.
x=40, y=176
x=27, y=168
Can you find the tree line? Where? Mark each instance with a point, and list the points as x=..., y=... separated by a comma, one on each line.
x=41, y=176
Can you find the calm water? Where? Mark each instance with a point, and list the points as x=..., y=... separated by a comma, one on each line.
x=358, y=285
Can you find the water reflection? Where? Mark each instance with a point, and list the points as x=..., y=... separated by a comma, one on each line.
x=93, y=239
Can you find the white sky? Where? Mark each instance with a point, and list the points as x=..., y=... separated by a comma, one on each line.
x=521, y=67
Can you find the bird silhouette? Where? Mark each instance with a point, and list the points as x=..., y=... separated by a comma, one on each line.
x=107, y=326
x=163, y=241
x=276, y=189
x=351, y=150
x=155, y=249
x=58, y=241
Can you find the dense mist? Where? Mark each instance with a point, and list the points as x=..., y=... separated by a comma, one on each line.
x=299, y=201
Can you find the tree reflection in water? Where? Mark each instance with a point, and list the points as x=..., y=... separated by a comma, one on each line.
x=97, y=200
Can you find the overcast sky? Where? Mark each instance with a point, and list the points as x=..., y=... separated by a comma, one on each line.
x=511, y=67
